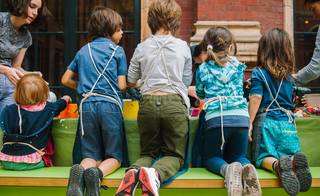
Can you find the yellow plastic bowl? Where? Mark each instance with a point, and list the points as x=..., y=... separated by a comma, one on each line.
x=130, y=109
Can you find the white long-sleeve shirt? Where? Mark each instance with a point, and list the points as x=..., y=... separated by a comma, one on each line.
x=159, y=61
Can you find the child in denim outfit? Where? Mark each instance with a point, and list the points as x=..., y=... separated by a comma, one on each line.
x=219, y=82
x=276, y=145
x=163, y=63
x=101, y=69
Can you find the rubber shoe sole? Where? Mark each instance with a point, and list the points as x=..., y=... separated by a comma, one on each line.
x=149, y=182
x=251, y=184
x=92, y=181
x=288, y=179
x=233, y=179
x=76, y=183
x=302, y=171
x=129, y=183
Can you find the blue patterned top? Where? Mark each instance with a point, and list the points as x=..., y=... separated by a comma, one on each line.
x=213, y=81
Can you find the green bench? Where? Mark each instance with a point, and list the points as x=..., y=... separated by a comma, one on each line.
x=53, y=181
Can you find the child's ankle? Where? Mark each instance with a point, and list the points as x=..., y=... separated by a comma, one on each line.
x=100, y=174
x=276, y=167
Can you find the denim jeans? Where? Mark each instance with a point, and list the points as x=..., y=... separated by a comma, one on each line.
x=6, y=92
x=234, y=148
x=103, y=131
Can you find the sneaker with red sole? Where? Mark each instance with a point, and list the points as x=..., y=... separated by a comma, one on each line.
x=149, y=181
x=129, y=183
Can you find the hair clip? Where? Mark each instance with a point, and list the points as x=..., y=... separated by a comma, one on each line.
x=209, y=47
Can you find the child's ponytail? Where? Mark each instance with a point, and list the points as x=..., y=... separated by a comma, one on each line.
x=218, y=39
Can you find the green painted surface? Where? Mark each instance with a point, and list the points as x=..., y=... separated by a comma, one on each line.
x=193, y=173
x=64, y=134
x=40, y=191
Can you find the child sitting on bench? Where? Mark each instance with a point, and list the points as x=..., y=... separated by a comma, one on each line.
x=27, y=125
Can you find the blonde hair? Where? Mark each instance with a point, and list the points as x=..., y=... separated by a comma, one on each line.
x=31, y=89
x=164, y=14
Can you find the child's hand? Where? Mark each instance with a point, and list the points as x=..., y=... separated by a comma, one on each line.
x=250, y=132
x=67, y=98
x=192, y=92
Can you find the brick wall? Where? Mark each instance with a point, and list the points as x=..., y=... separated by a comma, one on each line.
x=268, y=12
x=189, y=17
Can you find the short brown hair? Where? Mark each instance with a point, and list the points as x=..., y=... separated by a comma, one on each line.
x=103, y=22
x=275, y=53
x=20, y=8
x=164, y=14
x=31, y=89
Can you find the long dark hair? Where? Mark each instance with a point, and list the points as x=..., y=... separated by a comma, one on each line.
x=275, y=53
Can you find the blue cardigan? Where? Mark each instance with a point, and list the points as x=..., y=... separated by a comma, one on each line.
x=36, y=127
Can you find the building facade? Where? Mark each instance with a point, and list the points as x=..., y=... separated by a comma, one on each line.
x=55, y=44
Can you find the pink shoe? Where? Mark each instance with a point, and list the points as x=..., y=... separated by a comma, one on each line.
x=150, y=182
x=129, y=183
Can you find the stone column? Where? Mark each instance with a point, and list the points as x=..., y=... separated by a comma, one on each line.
x=288, y=18
x=246, y=33
x=145, y=31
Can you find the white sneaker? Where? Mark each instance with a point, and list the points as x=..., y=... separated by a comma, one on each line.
x=233, y=179
x=251, y=185
x=149, y=181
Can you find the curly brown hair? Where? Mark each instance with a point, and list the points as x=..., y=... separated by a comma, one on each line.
x=103, y=22
x=20, y=8
x=164, y=14
x=275, y=53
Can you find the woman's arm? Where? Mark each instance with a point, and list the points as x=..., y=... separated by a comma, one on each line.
x=17, y=61
x=312, y=70
x=68, y=81
x=254, y=104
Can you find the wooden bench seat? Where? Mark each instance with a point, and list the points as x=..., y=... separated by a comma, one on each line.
x=194, y=178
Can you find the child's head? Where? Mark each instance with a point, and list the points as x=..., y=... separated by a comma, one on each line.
x=164, y=14
x=219, y=43
x=275, y=53
x=33, y=11
x=31, y=89
x=105, y=22
x=199, y=55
